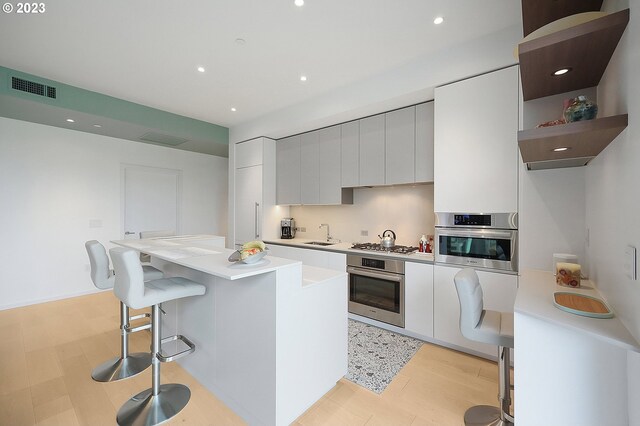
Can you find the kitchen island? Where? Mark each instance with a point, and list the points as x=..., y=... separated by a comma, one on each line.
x=569, y=369
x=271, y=337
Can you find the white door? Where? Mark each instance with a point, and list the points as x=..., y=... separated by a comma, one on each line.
x=248, y=204
x=150, y=199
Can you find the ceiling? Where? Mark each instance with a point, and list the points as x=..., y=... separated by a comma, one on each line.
x=147, y=52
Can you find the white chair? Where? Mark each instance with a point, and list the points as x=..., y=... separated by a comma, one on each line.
x=160, y=402
x=126, y=365
x=494, y=328
x=145, y=258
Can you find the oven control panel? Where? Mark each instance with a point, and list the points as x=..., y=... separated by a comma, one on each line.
x=373, y=263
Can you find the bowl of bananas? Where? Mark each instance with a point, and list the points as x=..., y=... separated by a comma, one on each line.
x=250, y=252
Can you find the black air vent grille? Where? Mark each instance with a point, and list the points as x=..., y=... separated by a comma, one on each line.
x=33, y=87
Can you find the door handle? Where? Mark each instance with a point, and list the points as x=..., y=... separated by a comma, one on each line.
x=256, y=224
x=129, y=233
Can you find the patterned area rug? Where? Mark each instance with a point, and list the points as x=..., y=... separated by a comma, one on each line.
x=376, y=355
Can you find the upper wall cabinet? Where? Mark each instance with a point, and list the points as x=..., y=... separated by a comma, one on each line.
x=309, y=168
x=476, y=150
x=350, y=153
x=424, y=142
x=372, y=152
x=249, y=153
x=400, y=136
x=288, y=160
x=329, y=165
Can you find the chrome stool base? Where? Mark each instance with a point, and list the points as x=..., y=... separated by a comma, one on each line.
x=484, y=415
x=121, y=368
x=146, y=409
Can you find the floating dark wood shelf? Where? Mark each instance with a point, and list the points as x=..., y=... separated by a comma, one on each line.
x=585, y=140
x=538, y=13
x=585, y=48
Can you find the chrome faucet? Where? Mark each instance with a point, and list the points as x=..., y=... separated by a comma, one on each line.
x=328, y=235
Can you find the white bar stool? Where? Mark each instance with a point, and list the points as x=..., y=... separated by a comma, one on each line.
x=494, y=328
x=126, y=365
x=160, y=402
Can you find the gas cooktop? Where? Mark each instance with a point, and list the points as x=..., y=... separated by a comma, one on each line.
x=379, y=248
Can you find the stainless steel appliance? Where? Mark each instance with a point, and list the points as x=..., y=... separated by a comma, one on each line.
x=287, y=228
x=380, y=248
x=376, y=288
x=488, y=241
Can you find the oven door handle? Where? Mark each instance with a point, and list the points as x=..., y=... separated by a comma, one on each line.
x=475, y=233
x=372, y=274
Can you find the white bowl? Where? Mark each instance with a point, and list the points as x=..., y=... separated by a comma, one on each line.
x=235, y=257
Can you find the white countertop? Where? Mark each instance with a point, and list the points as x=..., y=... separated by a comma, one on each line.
x=192, y=251
x=346, y=248
x=535, y=298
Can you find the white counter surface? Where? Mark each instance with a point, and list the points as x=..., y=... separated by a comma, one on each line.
x=344, y=247
x=535, y=298
x=194, y=252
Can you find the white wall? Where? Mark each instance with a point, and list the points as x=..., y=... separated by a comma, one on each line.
x=406, y=209
x=613, y=195
x=54, y=181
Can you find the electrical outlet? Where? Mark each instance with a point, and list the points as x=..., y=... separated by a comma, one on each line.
x=630, y=263
x=302, y=229
x=364, y=233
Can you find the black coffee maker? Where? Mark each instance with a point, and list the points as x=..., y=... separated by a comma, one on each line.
x=287, y=228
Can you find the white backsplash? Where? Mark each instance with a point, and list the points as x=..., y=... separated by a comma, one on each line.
x=406, y=209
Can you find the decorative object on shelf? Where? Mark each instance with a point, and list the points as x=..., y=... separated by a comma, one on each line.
x=568, y=274
x=581, y=304
x=551, y=123
x=580, y=109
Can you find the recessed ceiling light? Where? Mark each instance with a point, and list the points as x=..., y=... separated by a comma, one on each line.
x=200, y=69
x=562, y=71
x=299, y=3
x=562, y=148
x=439, y=20
x=71, y=120
x=303, y=78
x=97, y=125
x=233, y=109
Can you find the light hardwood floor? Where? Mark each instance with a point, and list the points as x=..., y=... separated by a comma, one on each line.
x=48, y=352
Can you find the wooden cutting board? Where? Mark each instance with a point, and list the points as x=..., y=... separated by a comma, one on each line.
x=581, y=304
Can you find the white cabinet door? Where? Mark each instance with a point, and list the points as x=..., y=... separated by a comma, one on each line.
x=400, y=135
x=418, y=296
x=499, y=295
x=476, y=144
x=372, y=153
x=311, y=257
x=329, y=165
x=424, y=142
x=249, y=153
x=350, y=148
x=309, y=167
x=248, y=204
x=288, y=170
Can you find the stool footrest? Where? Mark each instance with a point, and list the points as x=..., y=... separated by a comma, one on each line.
x=137, y=317
x=129, y=329
x=173, y=357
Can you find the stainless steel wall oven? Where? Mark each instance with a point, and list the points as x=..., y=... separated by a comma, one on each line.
x=376, y=288
x=488, y=241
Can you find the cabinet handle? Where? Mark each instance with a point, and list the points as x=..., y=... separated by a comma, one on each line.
x=256, y=224
x=129, y=233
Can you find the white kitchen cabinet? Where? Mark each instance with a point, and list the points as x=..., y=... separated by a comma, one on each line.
x=372, y=152
x=499, y=292
x=309, y=168
x=249, y=153
x=400, y=141
x=424, y=142
x=476, y=144
x=418, y=296
x=254, y=214
x=331, y=191
x=350, y=153
x=288, y=170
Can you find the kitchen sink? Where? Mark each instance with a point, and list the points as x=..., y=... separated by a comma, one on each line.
x=320, y=243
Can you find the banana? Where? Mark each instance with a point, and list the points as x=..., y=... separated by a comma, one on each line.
x=254, y=244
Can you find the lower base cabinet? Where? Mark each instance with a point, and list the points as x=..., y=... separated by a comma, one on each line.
x=418, y=296
x=499, y=291
x=310, y=257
